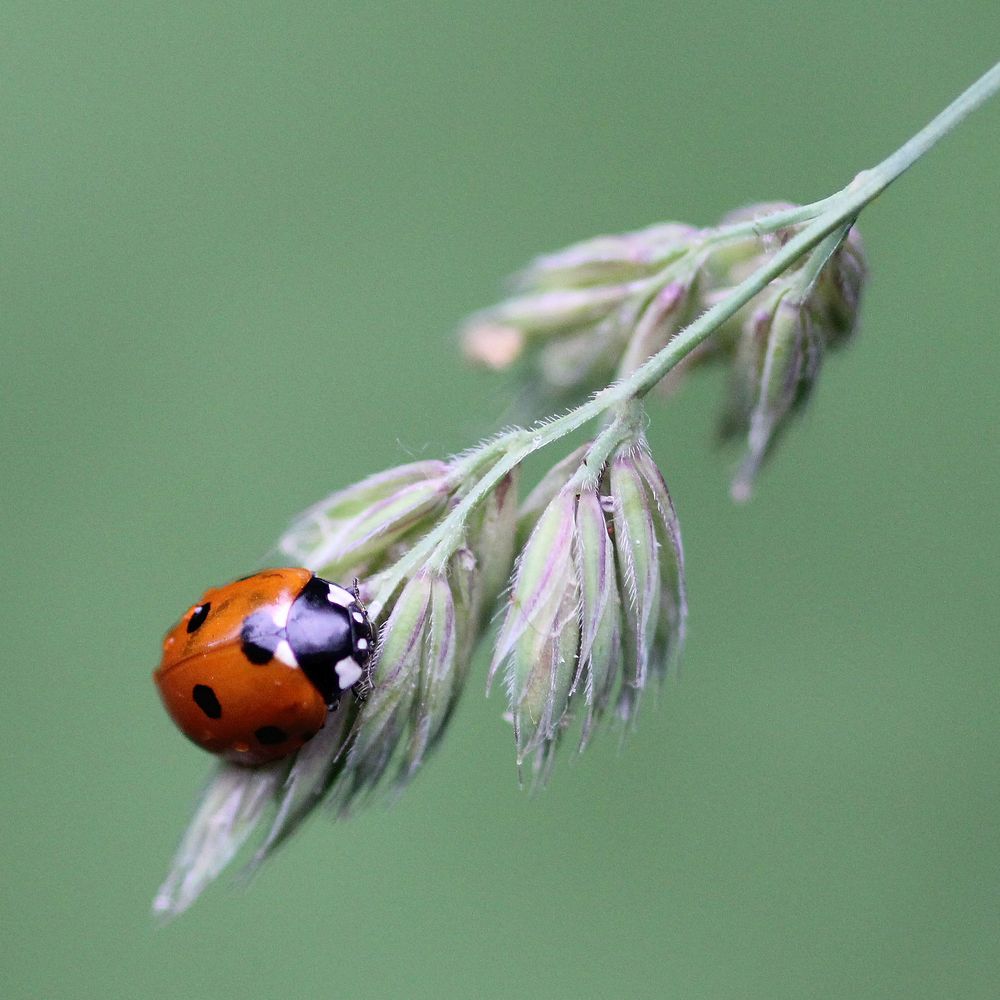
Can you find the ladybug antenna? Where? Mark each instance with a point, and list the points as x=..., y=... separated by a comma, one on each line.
x=356, y=590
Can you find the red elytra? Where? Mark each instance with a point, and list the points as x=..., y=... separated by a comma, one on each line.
x=251, y=671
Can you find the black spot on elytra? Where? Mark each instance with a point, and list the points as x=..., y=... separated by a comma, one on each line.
x=204, y=698
x=270, y=735
x=258, y=655
x=260, y=638
x=198, y=617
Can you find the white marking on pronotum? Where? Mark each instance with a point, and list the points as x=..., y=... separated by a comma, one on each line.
x=362, y=643
x=337, y=595
x=359, y=617
x=284, y=653
x=280, y=614
x=348, y=673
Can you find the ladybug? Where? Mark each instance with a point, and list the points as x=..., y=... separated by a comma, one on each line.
x=251, y=671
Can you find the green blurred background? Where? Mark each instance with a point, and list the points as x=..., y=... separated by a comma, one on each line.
x=236, y=241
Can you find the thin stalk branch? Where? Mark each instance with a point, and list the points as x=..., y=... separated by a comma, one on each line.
x=827, y=216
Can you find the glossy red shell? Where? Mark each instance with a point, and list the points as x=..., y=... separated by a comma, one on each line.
x=249, y=713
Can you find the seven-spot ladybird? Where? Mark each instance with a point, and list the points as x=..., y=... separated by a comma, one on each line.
x=252, y=669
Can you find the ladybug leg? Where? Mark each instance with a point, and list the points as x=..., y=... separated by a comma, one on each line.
x=365, y=685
